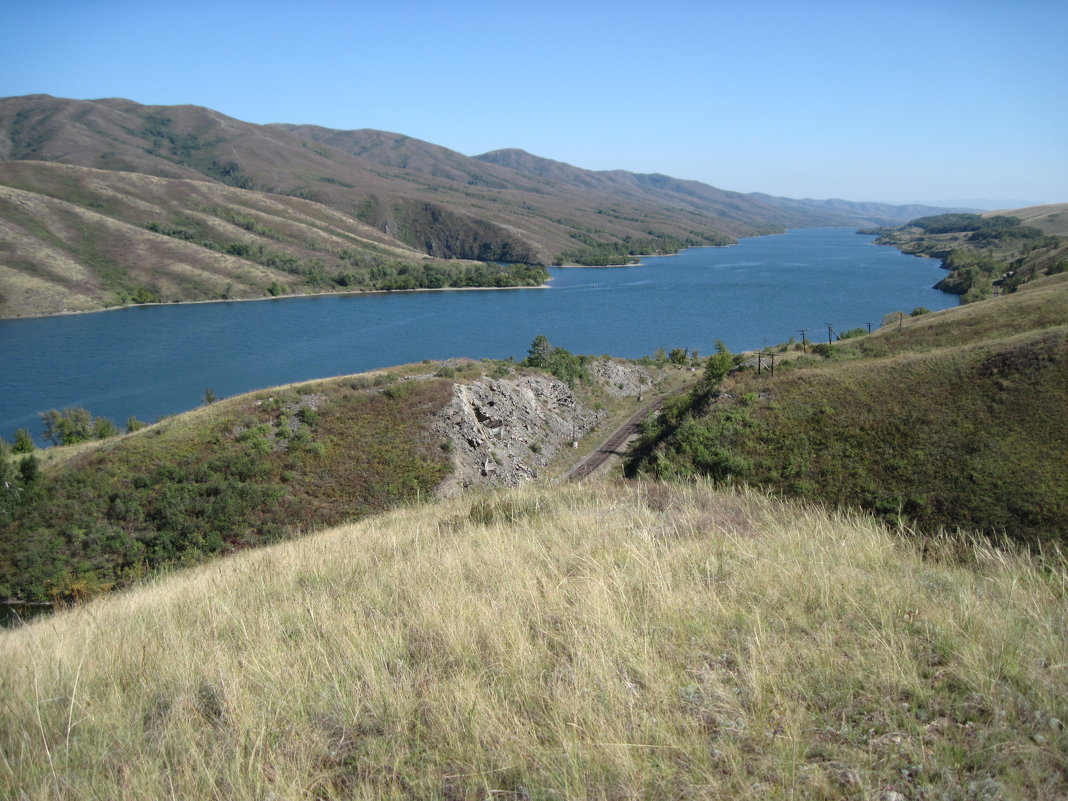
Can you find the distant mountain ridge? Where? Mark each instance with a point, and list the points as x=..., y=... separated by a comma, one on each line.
x=730, y=205
x=424, y=200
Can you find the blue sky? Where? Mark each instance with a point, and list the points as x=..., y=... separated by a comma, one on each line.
x=906, y=101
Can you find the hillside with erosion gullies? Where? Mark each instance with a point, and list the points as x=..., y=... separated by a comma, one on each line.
x=79, y=239
x=109, y=202
x=990, y=253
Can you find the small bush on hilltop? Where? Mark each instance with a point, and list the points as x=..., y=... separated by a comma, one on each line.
x=74, y=425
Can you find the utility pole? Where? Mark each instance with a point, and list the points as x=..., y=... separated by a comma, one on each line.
x=760, y=363
x=869, y=327
x=804, y=341
x=772, y=357
x=830, y=331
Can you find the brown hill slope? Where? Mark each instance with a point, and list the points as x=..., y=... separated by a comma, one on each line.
x=194, y=142
x=75, y=239
x=1050, y=219
x=731, y=208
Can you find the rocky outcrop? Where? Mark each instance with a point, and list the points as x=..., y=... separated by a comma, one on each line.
x=502, y=432
x=623, y=379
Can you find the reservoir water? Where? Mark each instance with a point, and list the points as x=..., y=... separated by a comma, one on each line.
x=153, y=361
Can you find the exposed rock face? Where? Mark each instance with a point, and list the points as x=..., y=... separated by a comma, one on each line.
x=503, y=431
x=622, y=379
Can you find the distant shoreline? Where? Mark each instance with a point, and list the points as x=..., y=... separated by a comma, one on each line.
x=278, y=297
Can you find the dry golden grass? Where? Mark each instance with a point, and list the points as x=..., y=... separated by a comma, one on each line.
x=594, y=641
x=1051, y=218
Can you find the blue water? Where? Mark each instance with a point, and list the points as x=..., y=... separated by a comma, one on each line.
x=154, y=361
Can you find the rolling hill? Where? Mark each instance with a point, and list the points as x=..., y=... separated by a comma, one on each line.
x=77, y=239
x=1051, y=218
x=943, y=420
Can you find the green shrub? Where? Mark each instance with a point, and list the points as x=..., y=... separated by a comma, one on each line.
x=23, y=442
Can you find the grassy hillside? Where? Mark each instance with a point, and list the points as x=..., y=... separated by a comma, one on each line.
x=1050, y=219
x=248, y=470
x=952, y=419
x=79, y=519
x=74, y=239
x=594, y=641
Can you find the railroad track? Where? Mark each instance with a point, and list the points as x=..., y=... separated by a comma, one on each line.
x=610, y=447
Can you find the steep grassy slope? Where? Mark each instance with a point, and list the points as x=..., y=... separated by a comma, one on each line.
x=74, y=238
x=953, y=419
x=600, y=642
x=1035, y=306
x=241, y=472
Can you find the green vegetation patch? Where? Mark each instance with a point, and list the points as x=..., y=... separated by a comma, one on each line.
x=627, y=249
x=985, y=255
x=239, y=473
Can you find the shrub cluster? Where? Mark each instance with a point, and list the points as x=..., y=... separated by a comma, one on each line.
x=561, y=362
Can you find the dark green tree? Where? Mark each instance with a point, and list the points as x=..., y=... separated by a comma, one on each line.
x=75, y=425
x=68, y=427
x=104, y=428
x=718, y=365
x=23, y=442
x=29, y=469
x=540, y=351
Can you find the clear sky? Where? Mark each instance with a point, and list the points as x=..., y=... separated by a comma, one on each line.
x=890, y=101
